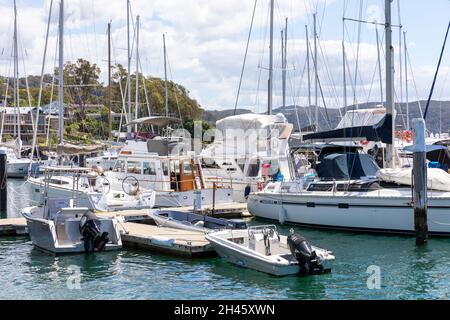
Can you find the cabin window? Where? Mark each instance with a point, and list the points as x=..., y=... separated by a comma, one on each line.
x=56, y=181
x=149, y=168
x=321, y=187
x=120, y=166
x=187, y=170
x=165, y=167
x=134, y=167
x=210, y=164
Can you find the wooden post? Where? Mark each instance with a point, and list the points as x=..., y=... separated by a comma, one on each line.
x=420, y=182
x=3, y=184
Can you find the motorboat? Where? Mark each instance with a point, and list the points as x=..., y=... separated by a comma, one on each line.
x=90, y=190
x=18, y=167
x=194, y=222
x=175, y=179
x=247, y=150
x=58, y=227
x=262, y=248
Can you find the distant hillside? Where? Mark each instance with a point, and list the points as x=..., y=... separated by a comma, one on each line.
x=438, y=115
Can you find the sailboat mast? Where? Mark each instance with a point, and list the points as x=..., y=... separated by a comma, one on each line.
x=284, y=55
x=406, y=81
x=136, y=108
x=344, y=70
x=309, y=73
x=270, y=91
x=109, y=84
x=166, y=97
x=16, y=77
x=129, y=65
x=389, y=82
x=61, y=73
x=316, y=77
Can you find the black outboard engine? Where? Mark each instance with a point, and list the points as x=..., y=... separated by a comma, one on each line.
x=304, y=254
x=94, y=239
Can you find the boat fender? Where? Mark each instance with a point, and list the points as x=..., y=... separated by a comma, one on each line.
x=303, y=253
x=162, y=241
x=282, y=215
x=200, y=224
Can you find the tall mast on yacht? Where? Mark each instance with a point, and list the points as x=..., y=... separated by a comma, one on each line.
x=284, y=62
x=406, y=81
x=316, y=85
x=136, y=108
x=16, y=77
x=166, y=97
x=309, y=73
x=109, y=83
x=270, y=91
x=389, y=82
x=129, y=65
x=61, y=73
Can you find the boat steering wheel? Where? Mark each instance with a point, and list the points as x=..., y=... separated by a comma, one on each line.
x=130, y=185
x=102, y=185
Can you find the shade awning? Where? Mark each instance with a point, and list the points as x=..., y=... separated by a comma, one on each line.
x=155, y=121
x=382, y=131
x=71, y=149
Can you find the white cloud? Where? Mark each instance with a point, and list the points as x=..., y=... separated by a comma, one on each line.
x=206, y=42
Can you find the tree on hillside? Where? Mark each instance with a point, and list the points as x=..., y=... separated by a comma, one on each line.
x=81, y=78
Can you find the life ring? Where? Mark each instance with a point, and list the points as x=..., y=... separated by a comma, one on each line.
x=364, y=142
x=408, y=136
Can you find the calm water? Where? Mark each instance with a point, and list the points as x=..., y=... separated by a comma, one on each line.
x=406, y=271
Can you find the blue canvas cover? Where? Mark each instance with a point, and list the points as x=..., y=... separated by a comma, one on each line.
x=346, y=166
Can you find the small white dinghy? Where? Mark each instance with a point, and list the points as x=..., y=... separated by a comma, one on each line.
x=194, y=222
x=263, y=249
x=59, y=228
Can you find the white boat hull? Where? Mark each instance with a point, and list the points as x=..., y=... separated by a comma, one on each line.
x=19, y=168
x=184, y=199
x=360, y=211
x=44, y=235
x=93, y=201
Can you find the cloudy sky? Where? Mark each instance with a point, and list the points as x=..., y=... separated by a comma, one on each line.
x=206, y=43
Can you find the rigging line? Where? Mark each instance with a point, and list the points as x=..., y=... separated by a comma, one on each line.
x=145, y=88
x=437, y=72
x=245, y=56
x=323, y=99
x=176, y=97
x=294, y=99
x=348, y=66
x=357, y=48
x=328, y=73
x=414, y=82
x=259, y=73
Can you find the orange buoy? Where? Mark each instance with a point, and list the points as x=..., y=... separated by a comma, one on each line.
x=407, y=136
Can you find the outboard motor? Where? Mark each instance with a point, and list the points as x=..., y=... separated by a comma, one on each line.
x=304, y=254
x=94, y=239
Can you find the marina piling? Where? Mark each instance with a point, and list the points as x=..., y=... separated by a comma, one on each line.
x=420, y=182
x=3, y=184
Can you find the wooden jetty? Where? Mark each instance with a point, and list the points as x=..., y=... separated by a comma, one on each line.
x=13, y=227
x=137, y=230
x=165, y=240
